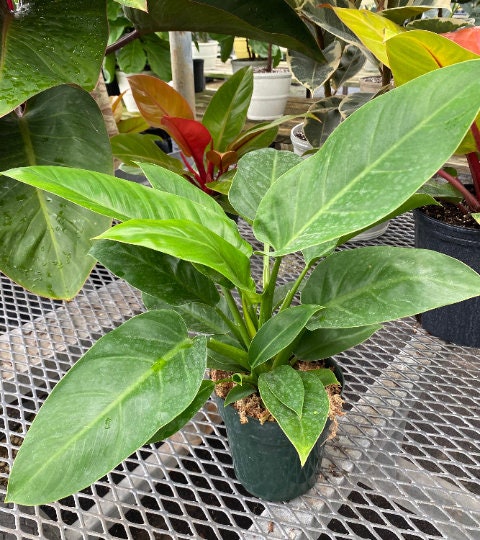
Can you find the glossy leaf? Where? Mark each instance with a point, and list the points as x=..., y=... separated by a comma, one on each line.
x=255, y=174
x=132, y=147
x=351, y=62
x=163, y=180
x=191, y=136
x=109, y=404
x=137, y=4
x=303, y=432
x=269, y=21
x=189, y=241
x=327, y=196
x=326, y=342
x=286, y=385
x=227, y=111
x=324, y=116
x=239, y=392
x=156, y=99
x=132, y=57
x=206, y=389
x=41, y=49
x=279, y=332
x=122, y=199
x=45, y=240
x=199, y=318
x=468, y=38
x=372, y=29
x=175, y=282
x=253, y=139
x=372, y=285
x=418, y=52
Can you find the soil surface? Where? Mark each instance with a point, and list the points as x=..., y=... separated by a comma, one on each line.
x=449, y=213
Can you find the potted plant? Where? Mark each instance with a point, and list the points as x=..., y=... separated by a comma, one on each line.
x=57, y=91
x=209, y=148
x=145, y=379
x=254, y=54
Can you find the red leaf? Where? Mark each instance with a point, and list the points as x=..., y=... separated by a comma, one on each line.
x=192, y=137
x=468, y=38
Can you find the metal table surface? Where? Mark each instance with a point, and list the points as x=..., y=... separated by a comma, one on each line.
x=406, y=463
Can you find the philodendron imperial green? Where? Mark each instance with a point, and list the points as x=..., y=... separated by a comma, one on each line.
x=144, y=380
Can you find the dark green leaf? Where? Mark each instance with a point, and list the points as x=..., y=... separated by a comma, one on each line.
x=326, y=342
x=43, y=47
x=303, y=431
x=205, y=391
x=286, y=385
x=239, y=392
x=132, y=382
x=370, y=285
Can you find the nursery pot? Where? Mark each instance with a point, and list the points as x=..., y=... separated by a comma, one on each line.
x=458, y=323
x=198, y=74
x=265, y=461
x=299, y=141
x=207, y=51
x=270, y=95
x=239, y=63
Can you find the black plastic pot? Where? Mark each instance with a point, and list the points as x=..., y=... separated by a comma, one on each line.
x=198, y=75
x=458, y=323
x=265, y=461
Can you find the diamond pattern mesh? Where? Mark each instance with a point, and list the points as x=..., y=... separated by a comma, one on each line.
x=405, y=466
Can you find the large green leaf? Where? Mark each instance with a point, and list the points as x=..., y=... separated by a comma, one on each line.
x=132, y=382
x=189, y=241
x=45, y=240
x=371, y=285
x=122, y=199
x=270, y=20
x=373, y=162
x=286, y=385
x=303, y=431
x=326, y=342
x=279, y=332
x=43, y=46
x=255, y=174
x=227, y=111
x=175, y=282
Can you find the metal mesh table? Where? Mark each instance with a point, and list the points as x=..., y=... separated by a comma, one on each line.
x=406, y=463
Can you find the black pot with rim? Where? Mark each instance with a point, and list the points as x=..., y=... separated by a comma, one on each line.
x=458, y=323
x=265, y=461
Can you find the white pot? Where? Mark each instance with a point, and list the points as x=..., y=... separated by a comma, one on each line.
x=208, y=51
x=239, y=63
x=124, y=86
x=300, y=146
x=270, y=95
x=373, y=232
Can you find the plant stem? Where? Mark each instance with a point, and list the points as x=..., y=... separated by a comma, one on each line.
x=238, y=355
x=233, y=327
x=266, y=265
x=469, y=198
x=249, y=318
x=121, y=42
x=293, y=291
x=240, y=323
x=266, y=306
x=474, y=165
x=269, y=58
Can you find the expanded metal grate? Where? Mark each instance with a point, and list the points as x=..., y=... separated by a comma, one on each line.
x=405, y=466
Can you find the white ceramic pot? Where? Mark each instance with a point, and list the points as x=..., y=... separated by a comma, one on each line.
x=124, y=88
x=270, y=95
x=373, y=232
x=208, y=51
x=239, y=63
x=300, y=145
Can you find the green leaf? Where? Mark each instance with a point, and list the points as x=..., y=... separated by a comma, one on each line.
x=122, y=199
x=256, y=172
x=206, y=389
x=327, y=196
x=158, y=56
x=199, y=318
x=326, y=342
x=227, y=111
x=351, y=63
x=217, y=360
x=175, y=282
x=270, y=21
x=163, y=180
x=132, y=147
x=440, y=190
x=372, y=285
x=45, y=240
x=279, y=332
x=239, y=392
x=324, y=116
x=286, y=385
x=303, y=432
x=189, y=241
x=137, y=4
x=312, y=74
x=42, y=48
x=132, y=57
x=132, y=382
x=476, y=217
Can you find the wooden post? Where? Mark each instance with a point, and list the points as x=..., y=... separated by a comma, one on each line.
x=182, y=65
